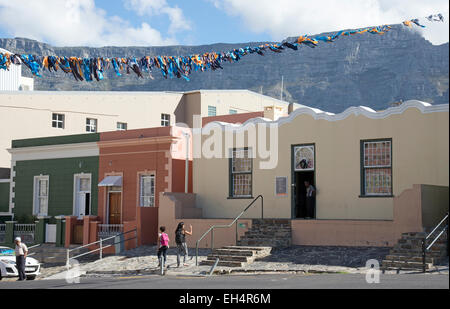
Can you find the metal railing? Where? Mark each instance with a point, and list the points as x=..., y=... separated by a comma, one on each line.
x=211, y=230
x=31, y=248
x=433, y=240
x=101, y=245
x=108, y=230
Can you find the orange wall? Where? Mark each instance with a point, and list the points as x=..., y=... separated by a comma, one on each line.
x=178, y=176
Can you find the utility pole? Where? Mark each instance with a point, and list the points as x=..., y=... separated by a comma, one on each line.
x=282, y=86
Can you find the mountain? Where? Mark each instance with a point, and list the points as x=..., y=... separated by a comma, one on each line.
x=369, y=70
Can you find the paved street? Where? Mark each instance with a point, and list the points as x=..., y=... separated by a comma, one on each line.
x=338, y=281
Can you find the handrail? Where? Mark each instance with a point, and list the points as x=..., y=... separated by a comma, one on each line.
x=101, y=245
x=424, y=241
x=212, y=228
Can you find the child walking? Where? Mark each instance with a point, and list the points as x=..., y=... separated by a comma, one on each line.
x=163, y=245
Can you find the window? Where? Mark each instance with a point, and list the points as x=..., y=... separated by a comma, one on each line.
x=376, y=164
x=165, y=120
x=41, y=195
x=233, y=112
x=122, y=126
x=58, y=121
x=147, y=191
x=241, y=168
x=91, y=125
x=212, y=111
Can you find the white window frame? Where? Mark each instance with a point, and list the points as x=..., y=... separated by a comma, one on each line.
x=36, y=195
x=210, y=109
x=152, y=196
x=57, y=121
x=120, y=126
x=165, y=120
x=91, y=128
x=76, y=181
x=374, y=166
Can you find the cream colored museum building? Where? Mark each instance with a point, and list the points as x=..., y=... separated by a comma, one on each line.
x=377, y=173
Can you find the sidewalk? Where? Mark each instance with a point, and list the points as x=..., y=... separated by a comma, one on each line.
x=297, y=259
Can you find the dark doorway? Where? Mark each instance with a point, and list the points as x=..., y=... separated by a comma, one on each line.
x=300, y=194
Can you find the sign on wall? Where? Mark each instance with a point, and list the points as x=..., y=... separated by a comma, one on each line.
x=281, y=188
x=304, y=158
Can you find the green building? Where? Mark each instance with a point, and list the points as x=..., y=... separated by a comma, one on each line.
x=54, y=176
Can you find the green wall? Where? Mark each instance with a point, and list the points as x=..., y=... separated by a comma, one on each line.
x=4, y=197
x=56, y=140
x=61, y=177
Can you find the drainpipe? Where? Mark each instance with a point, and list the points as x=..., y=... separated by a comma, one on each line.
x=186, y=173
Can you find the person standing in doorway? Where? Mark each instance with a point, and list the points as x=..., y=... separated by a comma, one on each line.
x=180, y=239
x=310, y=199
x=163, y=244
x=21, y=256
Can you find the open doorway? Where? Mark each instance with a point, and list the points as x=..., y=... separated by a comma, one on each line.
x=303, y=172
x=301, y=210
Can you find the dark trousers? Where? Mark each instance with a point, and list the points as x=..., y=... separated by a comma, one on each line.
x=20, y=265
x=310, y=206
x=162, y=251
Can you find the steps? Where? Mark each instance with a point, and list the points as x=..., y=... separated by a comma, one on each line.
x=276, y=233
x=407, y=253
x=236, y=256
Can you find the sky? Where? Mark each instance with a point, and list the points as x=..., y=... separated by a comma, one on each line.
x=98, y=23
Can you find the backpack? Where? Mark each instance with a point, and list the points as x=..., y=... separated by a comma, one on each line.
x=164, y=239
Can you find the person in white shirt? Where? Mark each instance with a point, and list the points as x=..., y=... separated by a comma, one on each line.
x=21, y=256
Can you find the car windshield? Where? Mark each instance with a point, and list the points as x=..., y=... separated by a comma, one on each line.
x=6, y=252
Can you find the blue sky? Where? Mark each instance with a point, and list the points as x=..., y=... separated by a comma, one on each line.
x=196, y=22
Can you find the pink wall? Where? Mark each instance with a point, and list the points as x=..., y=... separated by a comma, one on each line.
x=407, y=218
x=170, y=204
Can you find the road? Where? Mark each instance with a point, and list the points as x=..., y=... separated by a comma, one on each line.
x=338, y=281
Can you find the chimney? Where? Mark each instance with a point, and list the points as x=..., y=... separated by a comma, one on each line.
x=274, y=112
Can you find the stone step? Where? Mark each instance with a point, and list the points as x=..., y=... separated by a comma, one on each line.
x=418, y=259
x=221, y=263
x=230, y=258
x=244, y=248
x=232, y=252
x=406, y=252
x=404, y=265
x=415, y=234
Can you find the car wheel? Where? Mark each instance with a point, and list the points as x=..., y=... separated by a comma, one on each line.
x=31, y=277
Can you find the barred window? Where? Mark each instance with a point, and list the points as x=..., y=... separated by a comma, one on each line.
x=147, y=191
x=377, y=168
x=241, y=173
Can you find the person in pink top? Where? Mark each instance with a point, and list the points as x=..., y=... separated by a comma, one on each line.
x=163, y=244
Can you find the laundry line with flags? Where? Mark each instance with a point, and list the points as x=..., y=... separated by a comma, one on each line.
x=90, y=69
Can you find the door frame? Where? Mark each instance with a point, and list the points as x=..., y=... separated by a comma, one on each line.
x=76, y=177
x=293, y=178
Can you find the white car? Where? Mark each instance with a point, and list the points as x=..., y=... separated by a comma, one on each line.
x=8, y=267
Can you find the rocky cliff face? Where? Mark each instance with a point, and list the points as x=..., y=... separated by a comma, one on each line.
x=367, y=70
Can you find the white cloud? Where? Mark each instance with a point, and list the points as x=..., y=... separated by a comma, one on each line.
x=283, y=18
x=74, y=22
x=178, y=22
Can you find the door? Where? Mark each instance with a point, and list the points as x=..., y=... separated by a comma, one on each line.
x=50, y=234
x=115, y=208
x=303, y=172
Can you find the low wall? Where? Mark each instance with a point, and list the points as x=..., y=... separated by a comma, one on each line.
x=171, y=203
x=407, y=218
